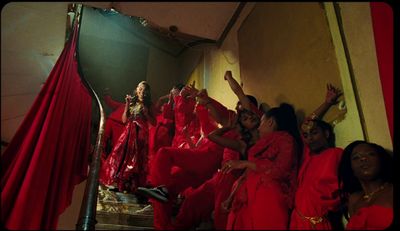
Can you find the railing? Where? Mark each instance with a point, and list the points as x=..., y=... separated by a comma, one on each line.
x=87, y=215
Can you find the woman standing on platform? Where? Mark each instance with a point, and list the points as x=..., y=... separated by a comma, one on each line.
x=126, y=166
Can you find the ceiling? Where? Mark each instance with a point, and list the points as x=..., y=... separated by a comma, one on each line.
x=204, y=20
x=33, y=36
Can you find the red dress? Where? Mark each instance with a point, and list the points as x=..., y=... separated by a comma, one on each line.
x=114, y=126
x=200, y=202
x=374, y=217
x=126, y=166
x=317, y=190
x=265, y=197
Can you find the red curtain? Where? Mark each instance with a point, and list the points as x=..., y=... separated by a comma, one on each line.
x=48, y=155
x=382, y=21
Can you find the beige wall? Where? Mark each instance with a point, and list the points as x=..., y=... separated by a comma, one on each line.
x=286, y=54
x=359, y=36
x=290, y=51
x=350, y=128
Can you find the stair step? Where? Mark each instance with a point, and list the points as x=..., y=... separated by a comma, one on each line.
x=120, y=227
x=138, y=220
x=117, y=207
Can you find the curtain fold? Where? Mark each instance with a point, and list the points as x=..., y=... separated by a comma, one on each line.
x=382, y=21
x=48, y=155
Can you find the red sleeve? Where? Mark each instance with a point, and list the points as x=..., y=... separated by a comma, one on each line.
x=327, y=186
x=221, y=109
x=168, y=111
x=183, y=111
x=207, y=124
x=230, y=154
x=277, y=159
x=112, y=103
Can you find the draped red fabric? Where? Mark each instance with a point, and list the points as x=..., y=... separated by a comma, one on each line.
x=48, y=155
x=382, y=21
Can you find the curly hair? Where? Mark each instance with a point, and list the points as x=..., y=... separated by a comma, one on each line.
x=348, y=182
x=326, y=127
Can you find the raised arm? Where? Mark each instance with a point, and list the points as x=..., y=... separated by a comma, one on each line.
x=218, y=112
x=160, y=102
x=237, y=89
x=332, y=94
x=218, y=137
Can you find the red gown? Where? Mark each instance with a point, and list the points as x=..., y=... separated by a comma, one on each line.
x=374, y=217
x=126, y=166
x=200, y=202
x=265, y=197
x=114, y=126
x=317, y=190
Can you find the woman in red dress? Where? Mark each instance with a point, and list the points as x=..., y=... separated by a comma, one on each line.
x=366, y=183
x=317, y=199
x=126, y=166
x=264, y=196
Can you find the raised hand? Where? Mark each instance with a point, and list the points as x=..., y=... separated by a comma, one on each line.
x=332, y=94
x=128, y=98
x=228, y=75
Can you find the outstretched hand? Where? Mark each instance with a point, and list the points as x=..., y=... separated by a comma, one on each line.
x=332, y=94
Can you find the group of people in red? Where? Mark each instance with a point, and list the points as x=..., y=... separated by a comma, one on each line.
x=246, y=169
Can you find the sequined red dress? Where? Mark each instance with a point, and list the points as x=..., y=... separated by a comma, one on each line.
x=126, y=166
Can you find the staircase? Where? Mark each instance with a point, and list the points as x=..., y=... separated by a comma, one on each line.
x=119, y=211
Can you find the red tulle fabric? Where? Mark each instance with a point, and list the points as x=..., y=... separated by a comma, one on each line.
x=114, y=126
x=126, y=166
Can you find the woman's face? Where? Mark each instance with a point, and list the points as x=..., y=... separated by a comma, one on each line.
x=266, y=125
x=249, y=120
x=365, y=162
x=316, y=139
x=140, y=90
